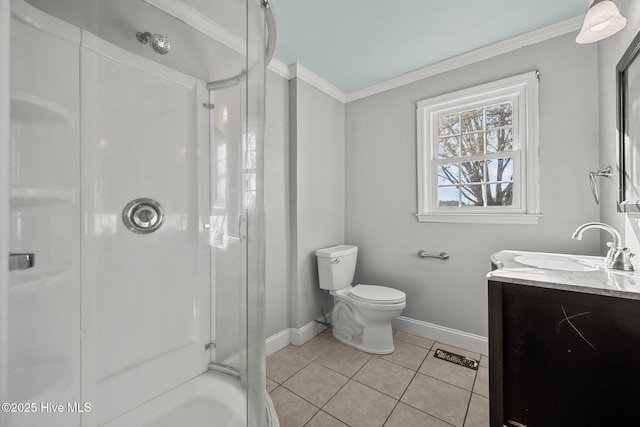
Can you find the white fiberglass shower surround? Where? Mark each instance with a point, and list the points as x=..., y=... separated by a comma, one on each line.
x=135, y=290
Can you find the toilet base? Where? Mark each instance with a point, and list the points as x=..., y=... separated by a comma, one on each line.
x=350, y=328
x=360, y=346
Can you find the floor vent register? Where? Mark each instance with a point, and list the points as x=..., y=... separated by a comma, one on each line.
x=457, y=359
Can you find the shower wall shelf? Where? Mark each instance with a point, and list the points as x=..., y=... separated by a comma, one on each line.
x=29, y=107
x=31, y=196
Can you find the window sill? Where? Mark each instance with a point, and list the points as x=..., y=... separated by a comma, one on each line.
x=504, y=219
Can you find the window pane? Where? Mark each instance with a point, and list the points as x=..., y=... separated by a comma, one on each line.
x=250, y=182
x=499, y=115
x=473, y=144
x=449, y=147
x=448, y=125
x=500, y=140
x=500, y=169
x=448, y=197
x=471, y=172
x=472, y=120
x=251, y=160
x=448, y=174
x=471, y=195
x=500, y=194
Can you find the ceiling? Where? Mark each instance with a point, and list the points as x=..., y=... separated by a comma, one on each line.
x=354, y=44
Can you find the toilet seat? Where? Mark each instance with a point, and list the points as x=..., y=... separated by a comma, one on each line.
x=374, y=294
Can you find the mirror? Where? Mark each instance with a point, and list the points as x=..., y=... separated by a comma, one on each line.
x=628, y=82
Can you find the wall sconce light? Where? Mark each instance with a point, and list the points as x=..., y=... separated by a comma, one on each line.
x=602, y=20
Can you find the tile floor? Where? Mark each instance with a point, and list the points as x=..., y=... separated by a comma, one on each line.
x=325, y=383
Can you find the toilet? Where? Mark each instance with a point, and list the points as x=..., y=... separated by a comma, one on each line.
x=362, y=314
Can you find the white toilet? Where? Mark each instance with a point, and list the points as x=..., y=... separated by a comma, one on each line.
x=362, y=314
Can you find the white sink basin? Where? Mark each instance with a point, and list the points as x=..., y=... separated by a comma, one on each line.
x=554, y=263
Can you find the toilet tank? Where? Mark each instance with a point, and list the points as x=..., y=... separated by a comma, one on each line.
x=336, y=266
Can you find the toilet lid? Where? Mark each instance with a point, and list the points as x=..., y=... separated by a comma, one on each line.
x=377, y=294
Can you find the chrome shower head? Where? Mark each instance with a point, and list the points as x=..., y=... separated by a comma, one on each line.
x=159, y=42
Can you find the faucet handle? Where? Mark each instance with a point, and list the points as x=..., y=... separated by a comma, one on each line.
x=621, y=259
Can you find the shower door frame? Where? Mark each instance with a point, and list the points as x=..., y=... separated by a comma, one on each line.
x=5, y=119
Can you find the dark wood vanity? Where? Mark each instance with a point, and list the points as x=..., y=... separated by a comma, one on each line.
x=563, y=354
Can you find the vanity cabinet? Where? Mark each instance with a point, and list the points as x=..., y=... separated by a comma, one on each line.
x=562, y=357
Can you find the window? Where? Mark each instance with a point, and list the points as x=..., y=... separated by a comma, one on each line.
x=250, y=164
x=478, y=154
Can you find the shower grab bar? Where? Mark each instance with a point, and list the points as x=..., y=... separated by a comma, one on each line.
x=21, y=261
x=440, y=255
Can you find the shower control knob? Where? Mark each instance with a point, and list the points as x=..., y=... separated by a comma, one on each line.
x=143, y=216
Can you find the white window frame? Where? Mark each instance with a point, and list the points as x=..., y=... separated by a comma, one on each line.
x=522, y=90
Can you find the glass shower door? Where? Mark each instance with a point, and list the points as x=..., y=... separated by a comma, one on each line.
x=103, y=314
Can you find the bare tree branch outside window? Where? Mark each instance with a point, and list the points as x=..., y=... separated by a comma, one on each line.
x=484, y=132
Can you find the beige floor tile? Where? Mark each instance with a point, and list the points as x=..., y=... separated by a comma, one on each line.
x=406, y=416
x=314, y=348
x=412, y=339
x=344, y=359
x=360, y=406
x=316, y=384
x=407, y=355
x=442, y=400
x=448, y=372
x=327, y=334
x=283, y=364
x=455, y=350
x=386, y=377
x=484, y=361
x=271, y=385
x=481, y=385
x=322, y=419
x=293, y=411
x=478, y=414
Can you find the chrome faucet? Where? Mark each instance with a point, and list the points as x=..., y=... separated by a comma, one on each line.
x=618, y=257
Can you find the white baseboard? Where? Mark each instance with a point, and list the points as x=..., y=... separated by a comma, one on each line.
x=278, y=341
x=295, y=336
x=464, y=340
x=454, y=337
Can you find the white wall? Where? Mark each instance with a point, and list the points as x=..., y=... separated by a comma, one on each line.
x=278, y=232
x=381, y=184
x=609, y=53
x=317, y=186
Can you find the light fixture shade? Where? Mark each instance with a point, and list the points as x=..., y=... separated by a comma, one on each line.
x=603, y=20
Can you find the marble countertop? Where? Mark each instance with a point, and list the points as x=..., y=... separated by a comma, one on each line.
x=578, y=273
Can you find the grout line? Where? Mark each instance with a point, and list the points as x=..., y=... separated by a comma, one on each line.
x=418, y=409
x=397, y=401
x=466, y=414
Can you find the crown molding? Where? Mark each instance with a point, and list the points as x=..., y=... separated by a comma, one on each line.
x=485, y=52
x=297, y=70
x=280, y=68
x=205, y=25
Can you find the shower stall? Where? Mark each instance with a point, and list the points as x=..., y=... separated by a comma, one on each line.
x=134, y=214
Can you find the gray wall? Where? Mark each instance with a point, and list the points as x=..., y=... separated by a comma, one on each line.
x=317, y=191
x=381, y=194
x=277, y=219
x=609, y=53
